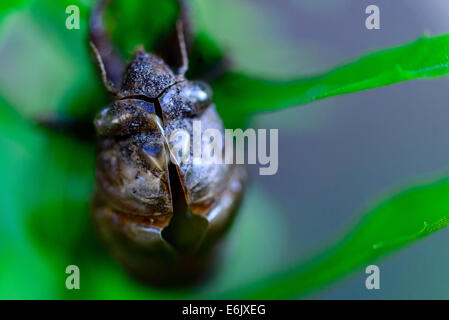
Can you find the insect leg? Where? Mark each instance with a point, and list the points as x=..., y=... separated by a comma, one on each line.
x=107, y=57
x=77, y=128
x=182, y=46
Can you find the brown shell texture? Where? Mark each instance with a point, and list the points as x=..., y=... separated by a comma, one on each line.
x=161, y=218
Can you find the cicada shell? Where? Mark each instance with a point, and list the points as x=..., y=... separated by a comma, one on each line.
x=160, y=217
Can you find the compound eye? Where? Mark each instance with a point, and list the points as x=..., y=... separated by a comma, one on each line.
x=199, y=95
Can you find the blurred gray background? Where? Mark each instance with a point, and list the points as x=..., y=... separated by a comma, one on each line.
x=339, y=156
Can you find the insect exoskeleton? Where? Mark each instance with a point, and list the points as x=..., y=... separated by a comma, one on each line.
x=161, y=217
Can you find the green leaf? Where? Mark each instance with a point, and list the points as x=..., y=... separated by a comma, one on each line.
x=404, y=218
x=238, y=95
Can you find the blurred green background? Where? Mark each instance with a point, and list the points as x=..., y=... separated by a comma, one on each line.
x=336, y=156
